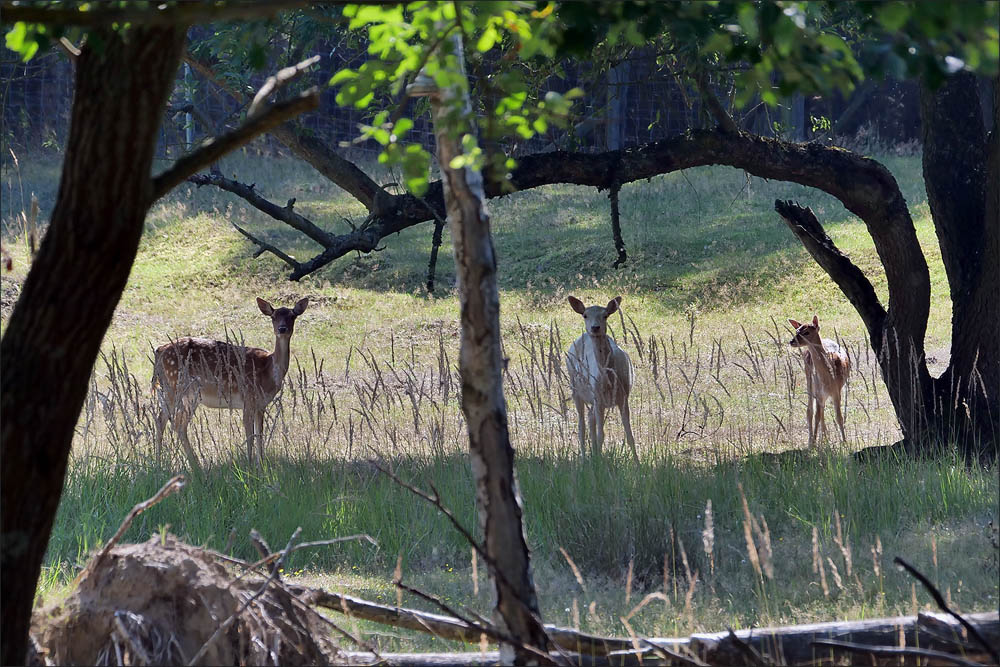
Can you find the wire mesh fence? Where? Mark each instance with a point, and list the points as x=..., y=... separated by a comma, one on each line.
x=638, y=100
x=632, y=104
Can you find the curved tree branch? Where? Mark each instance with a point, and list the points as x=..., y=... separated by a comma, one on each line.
x=214, y=149
x=267, y=247
x=276, y=82
x=321, y=157
x=864, y=186
x=851, y=280
x=283, y=213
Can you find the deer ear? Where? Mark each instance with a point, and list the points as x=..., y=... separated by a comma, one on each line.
x=795, y=325
x=613, y=305
x=576, y=304
x=816, y=321
x=301, y=306
x=265, y=307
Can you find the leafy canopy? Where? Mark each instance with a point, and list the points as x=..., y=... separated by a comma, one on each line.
x=770, y=48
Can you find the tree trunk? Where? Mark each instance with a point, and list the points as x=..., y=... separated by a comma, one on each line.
x=960, y=164
x=481, y=369
x=70, y=294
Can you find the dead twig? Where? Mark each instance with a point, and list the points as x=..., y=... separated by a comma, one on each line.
x=939, y=599
x=276, y=82
x=488, y=630
x=176, y=483
x=232, y=617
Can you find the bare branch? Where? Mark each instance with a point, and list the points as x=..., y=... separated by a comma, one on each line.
x=851, y=280
x=229, y=621
x=283, y=213
x=265, y=246
x=322, y=158
x=194, y=111
x=71, y=51
x=158, y=14
x=175, y=483
x=276, y=82
x=939, y=599
x=616, y=227
x=216, y=148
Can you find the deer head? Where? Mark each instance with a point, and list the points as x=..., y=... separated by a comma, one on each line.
x=595, y=318
x=805, y=334
x=283, y=319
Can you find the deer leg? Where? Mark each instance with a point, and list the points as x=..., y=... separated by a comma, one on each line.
x=580, y=425
x=840, y=416
x=820, y=419
x=161, y=424
x=181, y=418
x=249, y=420
x=627, y=423
x=592, y=419
x=600, y=415
x=810, y=420
x=259, y=426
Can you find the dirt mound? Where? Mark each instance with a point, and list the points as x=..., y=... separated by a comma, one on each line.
x=159, y=603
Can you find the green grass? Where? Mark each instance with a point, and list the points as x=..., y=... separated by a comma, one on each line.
x=712, y=275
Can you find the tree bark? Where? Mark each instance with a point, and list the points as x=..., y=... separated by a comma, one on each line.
x=70, y=294
x=481, y=368
x=960, y=168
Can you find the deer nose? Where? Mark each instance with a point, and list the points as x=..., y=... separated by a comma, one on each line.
x=282, y=329
x=596, y=328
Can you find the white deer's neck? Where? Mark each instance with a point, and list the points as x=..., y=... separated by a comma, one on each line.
x=602, y=349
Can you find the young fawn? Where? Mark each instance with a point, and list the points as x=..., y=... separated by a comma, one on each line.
x=827, y=366
x=600, y=375
x=189, y=372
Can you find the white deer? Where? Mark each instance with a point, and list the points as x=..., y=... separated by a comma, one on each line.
x=827, y=366
x=189, y=372
x=600, y=375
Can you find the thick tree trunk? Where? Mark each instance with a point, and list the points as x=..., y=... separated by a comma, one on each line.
x=481, y=368
x=960, y=174
x=70, y=294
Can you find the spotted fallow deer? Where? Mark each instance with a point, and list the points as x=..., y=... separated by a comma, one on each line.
x=827, y=366
x=600, y=375
x=189, y=372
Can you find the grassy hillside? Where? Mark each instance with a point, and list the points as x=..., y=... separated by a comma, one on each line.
x=712, y=276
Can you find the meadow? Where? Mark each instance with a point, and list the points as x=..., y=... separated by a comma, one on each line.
x=718, y=409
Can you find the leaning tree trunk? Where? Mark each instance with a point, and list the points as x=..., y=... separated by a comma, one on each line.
x=481, y=368
x=70, y=294
x=960, y=162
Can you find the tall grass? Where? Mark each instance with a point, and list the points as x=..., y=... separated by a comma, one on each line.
x=718, y=398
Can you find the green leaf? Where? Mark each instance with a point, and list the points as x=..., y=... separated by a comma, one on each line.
x=343, y=75
x=892, y=15
x=403, y=125
x=19, y=40
x=487, y=39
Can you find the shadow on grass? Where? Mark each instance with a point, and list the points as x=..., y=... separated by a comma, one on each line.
x=559, y=238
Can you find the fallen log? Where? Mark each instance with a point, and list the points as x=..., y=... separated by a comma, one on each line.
x=447, y=627
x=784, y=645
